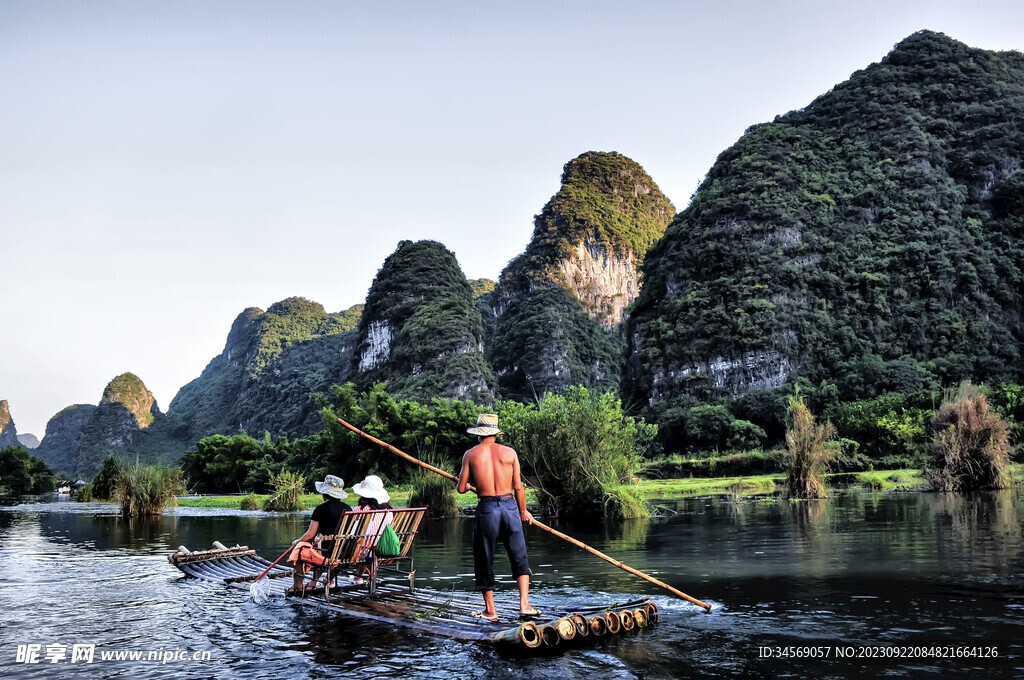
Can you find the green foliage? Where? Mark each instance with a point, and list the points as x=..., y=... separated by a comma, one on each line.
x=575, y=447
x=145, y=489
x=434, y=492
x=249, y=502
x=23, y=473
x=104, y=484
x=605, y=198
x=549, y=336
x=626, y=502
x=546, y=342
x=728, y=465
x=971, y=446
x=480, y=287
x=272, y=366
x=871, y=239
x=811, y=452
x=432, y=431
x=890, y=429
x=287, y=493
x=1007, y=399
x=421, y=330
x=222, y=464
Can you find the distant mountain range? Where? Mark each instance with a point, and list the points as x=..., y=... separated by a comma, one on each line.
x=872, y=241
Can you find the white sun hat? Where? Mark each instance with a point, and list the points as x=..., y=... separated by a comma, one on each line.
x=332, y=486
x=372, y=487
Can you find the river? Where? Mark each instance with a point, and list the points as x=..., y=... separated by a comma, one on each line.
x=851, y=580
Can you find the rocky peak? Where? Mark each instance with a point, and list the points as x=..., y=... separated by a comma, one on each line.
x=128, y=390
x=8, y=431
x=592, y=235
x=421, y=330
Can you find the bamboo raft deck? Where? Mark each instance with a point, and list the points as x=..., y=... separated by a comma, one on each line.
x=435, y=612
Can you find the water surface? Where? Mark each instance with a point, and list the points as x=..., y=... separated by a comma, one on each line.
x=858, y=571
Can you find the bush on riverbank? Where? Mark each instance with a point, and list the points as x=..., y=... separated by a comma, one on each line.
x=626, y=502
x=287, y=492
x=145, y=489
x=575, y=448
x=104, y=484
x=250, y=502
x=971, y=446
x=811, y=452
x=436, y=493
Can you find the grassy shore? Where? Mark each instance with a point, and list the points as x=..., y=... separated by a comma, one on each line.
x=663, y=489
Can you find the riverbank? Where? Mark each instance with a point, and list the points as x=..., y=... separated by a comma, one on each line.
x=906, y=479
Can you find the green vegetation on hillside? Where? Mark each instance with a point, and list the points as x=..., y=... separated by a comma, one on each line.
x=546, y=342
x=421, y=331
x=869, y=243
x=604, y=198
x=266, y=379
x=548, y=336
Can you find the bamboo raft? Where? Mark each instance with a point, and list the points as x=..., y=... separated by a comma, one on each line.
x=435, y=612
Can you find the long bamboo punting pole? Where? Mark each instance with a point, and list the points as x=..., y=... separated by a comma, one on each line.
x=564, y=537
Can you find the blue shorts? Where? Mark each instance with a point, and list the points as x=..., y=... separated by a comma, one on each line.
x=497, y=517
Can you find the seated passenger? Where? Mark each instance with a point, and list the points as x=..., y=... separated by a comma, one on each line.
x=326, y=517
x=372, y=496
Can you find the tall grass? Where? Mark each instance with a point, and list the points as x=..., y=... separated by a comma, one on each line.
x=434, y=492
x=287, y=491
x=145, y=489
x=971, y=448
x=811, y=452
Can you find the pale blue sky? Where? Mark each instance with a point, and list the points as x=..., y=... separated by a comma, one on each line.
x=164, y=165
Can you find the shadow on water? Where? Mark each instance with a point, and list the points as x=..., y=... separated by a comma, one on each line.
x=857, y=570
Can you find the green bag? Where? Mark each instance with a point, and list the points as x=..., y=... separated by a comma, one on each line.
x=388, y=545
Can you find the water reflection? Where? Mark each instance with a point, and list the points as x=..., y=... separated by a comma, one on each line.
x=858, y=569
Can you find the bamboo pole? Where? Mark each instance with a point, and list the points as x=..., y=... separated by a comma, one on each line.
x=536, y=523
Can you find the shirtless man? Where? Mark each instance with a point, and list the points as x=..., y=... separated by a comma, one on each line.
x=500, y=512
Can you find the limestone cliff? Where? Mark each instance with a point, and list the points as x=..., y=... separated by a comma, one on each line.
x=265, y=379
x=59, y=448
x=8, y=431
x=868, y=242
x=421, y=330
x=559, y=306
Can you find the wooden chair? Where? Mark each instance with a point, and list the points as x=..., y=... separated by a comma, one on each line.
x=355, y=541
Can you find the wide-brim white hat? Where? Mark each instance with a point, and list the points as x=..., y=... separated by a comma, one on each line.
x=332, y=486
x=486, y=426
x=372, y=487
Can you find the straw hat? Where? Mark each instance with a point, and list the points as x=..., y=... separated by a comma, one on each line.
x=372, y=487
x=486, y=426
x=332, y=486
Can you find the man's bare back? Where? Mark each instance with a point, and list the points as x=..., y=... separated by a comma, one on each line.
x=494, y=470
